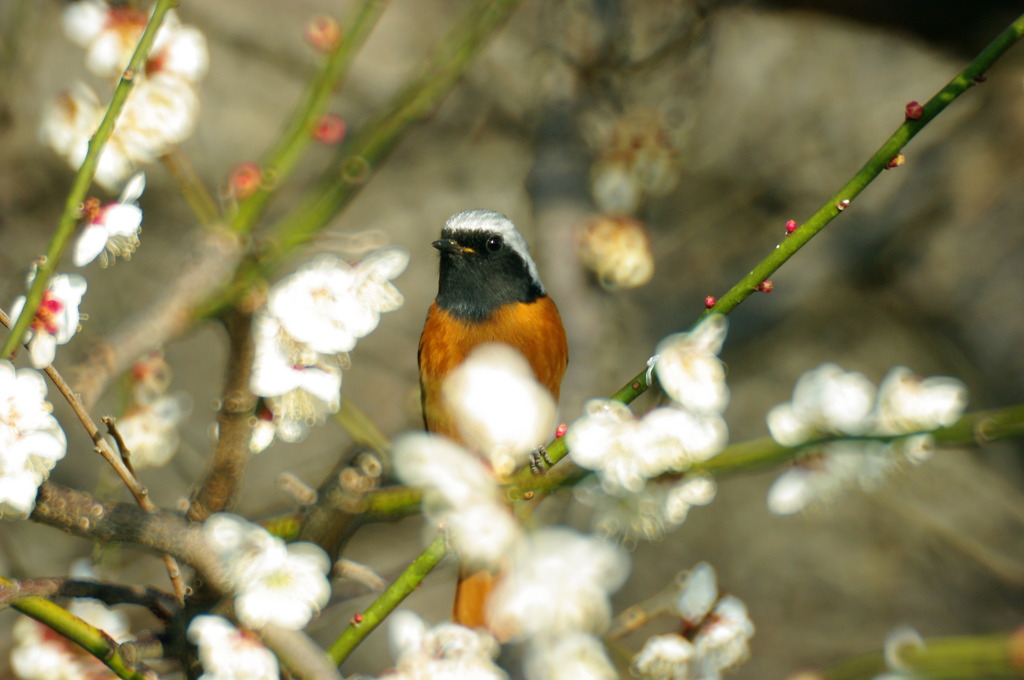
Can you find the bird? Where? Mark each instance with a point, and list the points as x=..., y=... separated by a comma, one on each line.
x=488, y=290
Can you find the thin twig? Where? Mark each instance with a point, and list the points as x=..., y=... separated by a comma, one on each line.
x=191, y=186
x=359, y=159
x=122, y=447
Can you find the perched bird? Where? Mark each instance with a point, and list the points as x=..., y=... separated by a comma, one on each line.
x=488, y=291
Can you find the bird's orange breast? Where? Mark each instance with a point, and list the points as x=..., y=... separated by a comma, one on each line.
x=534, y=328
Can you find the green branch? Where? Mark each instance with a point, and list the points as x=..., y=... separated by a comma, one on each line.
x=83, y=178
x=388, y=601
x=874, y=167
x=90, y=638
x=284, y=156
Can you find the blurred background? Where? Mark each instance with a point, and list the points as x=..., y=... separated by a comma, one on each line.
x=711, y=124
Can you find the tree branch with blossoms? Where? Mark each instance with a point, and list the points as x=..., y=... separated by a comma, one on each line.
x=84, y=177
x=637, y=476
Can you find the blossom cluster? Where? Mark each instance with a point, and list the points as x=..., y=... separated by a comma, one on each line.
x=273, y=583
x=312, y=319
x=829, y=402
x=31, y=439
x=717, y=638
x=163, y=106
x=629, y=454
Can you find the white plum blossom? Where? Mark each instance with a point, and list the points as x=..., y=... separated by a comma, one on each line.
x=689, y=369
x=461, y=494
x=70, y=120
x=724, y=639
x=263, y=432
x=227, y=653
x=829, y=402
x=501, y=410
x=662, y=506
x=626, y=452
x=273, y=583
x=109, y=36
x=112, y=230
x=823, y=476
x=31, y=439
x=312, y=319
x=329, y=304
x=447, y=650
x=907, y=403
x=631, y=454
x=665, y=657
x=56, y=320
x=717, y=633
x=163, y=107
x=557, y=581
x=826, y=400
x=637, y=154
x=301, y=385
x=897, y=643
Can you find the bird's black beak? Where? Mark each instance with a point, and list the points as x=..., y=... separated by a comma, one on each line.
x=447, y=245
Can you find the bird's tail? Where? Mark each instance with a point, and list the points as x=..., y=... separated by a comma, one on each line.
x=471, y=594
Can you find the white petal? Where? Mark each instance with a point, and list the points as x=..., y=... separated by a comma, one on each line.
x=387, y=263
x=83, y=21
x=42, y=349
x=90, y=244
x=325, y=385
x=186, y=53
x=122, y=219
x=133, y=188
x=792, y=491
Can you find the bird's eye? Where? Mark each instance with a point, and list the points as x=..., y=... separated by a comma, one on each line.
x=495, y=243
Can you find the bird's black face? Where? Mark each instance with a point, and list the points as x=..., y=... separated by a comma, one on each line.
x=481, y=272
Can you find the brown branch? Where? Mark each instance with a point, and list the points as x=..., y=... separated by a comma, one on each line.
x=82, y=514
x=223, y=479
x=210, y=266
x=159, y=603
x=341, y=502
